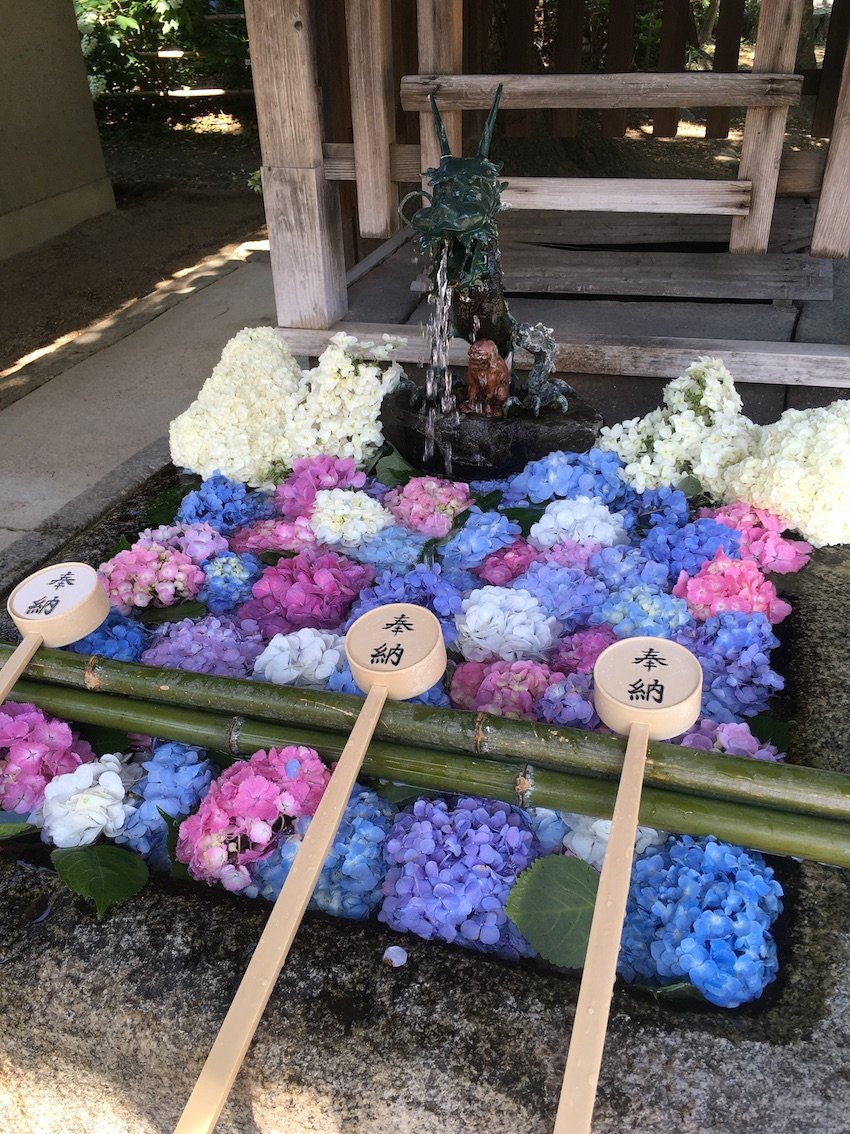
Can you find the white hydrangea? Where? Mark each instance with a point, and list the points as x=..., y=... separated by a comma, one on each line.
x=699, y=432
x=306, y=658
x=88, y=802
x=501, y=623
x=588, y=838
x=344, y=517
x=583, y=519
x=258, y=411
x=799, y=468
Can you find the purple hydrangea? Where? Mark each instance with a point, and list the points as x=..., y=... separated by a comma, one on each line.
x=730, y=738
x=423, y=586
x=632, y=611
x=623, y=566
x=228, y=580
x=117, y=637
x=210, y=645
x=734, y=652
x=570, y=702
x=565, y=593
x=394, y=548
x=224, y=504
x=568, y=475
x=482, y=534
x=701, y=910
x=451, y=870
x=688, y=548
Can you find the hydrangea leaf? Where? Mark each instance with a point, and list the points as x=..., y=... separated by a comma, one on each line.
x=525, y=517
x=172, y=832
x=394, y=470
x=164, y=508
x=552, y=906
x=154, y=615
x=105, y=874
x=13, y=830
x=770, y=730
x=691, y=486
x=488, y=501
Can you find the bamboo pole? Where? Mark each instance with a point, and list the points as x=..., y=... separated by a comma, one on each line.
x=784, y=787
x=772, y=831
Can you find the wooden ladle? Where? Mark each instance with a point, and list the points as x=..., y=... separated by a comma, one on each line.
x=395, y=651
x=52, y=607
x=648, y=689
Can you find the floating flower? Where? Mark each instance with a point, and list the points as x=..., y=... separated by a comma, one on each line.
x=569, y=553
x=500, y=623
x=295, y=496
x=569, y=702
x=80, y=806
x=198, y=541
x=146, y=576
x=734, y=653
x=689, y=547
x=210, y=645
x=503, y=565
x=224, y=504
x=428, y=504
x=423, y=586
x=724, y=585
x=761, y=537
x=582, y=519
x=513, y=688
x=632, y=611
x=731, y=738
x=274, y=535
x=393, y=548
x=306, y=657
x=565, y=593
x=344, y=518
x=228, y=579
x=618, y=567
x=577, y=653
x=117, y=637
x=481, y=535
x=34, y=748
x=587, y=838
x=570, y=475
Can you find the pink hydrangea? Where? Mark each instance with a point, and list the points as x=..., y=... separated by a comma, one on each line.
x=274, y=535
x=311, y=589
x=570, y=553
x=761, y=537
x=514, y=688
x=507, y=563
x=246, y=811
x=145, y=575
x=428, y=504
x=465, y=684
x=34, y=748
x=294, y=497
x=724, y=585
x=578, y=652
x=198, y=541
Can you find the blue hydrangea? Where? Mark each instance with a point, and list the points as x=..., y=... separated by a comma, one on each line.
x=177, y=777
x=702, y=911
x=565, y=593
x=595, y=473
x=117, y=637
x=423, y=586
x=686, y=549
x=395, y=548
x=623, y=566
x=350, y=882
x=482, y=534
x=548, y=826
x=224, y=504
x=570, y=702
x=451, y=869
x=228, y=580
x=342, y=681
x=733, y=650
x=663, y=507
x=644, y=610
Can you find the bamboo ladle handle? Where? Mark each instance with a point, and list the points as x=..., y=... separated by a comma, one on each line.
x=395, y=651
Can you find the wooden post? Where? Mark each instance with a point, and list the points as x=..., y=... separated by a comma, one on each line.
x=837, y=43
x=727, y=49
x=674, y=40
x=566, y=60
x=519, y=56
x=831, y=236
x=302, y=209
x=476, y=23
x=618, y=59
x=439, y=27
x=370, y=48
x=764, y=128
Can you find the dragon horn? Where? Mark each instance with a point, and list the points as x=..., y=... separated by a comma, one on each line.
x=445, y=148
x=487, y=132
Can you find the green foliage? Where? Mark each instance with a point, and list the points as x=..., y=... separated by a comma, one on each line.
x=552, y=906
x=525, y=517
x=172, y=833
x=14, y=830
x=255, y=181
x=393, y=470
x=156, y=615
x=105, y=873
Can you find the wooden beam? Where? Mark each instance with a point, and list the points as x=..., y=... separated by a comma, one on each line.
x=837, y=42
x=764, y=128
x=784, y=364
x=675, y=21
x=439, y=30
x=370, y=45
x=727, y=51
x=627, y=195
x=831, y=236
x=691, y=88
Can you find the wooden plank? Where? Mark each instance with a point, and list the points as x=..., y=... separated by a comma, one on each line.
x=837, y=41
x=566, y=60
x=764, y=128
x=618, y=58
x=801, y=173
x=727, y=50
x=439, y=30
x=692, y=88
x=332, y=64
x=832, y=223
x=405, y=61
x=519, y=56
x=675, y=21
x=627, y=195
x=785, y=364
x=476, y=23
x=369, y=30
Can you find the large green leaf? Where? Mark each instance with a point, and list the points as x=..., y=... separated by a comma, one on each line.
x=106, y=874
x=525, y=517
x=156, y=615
x=394, y=470
x=552, y=906
x=13, y=830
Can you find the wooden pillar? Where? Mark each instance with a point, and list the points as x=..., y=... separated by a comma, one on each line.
x=727, y=50
x=566, y=60
x=618, y=59
x=302, y=209
x=675, y=20
x=439, y=25
x=370, y=50
x=837, y=44
x=831, y=236
x=764, y=127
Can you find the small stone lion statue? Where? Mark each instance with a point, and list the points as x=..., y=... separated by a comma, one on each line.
x=488, y=378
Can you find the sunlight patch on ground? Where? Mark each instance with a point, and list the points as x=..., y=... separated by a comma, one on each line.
x=221, y=123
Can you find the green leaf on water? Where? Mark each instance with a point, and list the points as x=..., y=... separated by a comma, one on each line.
x=172, y=832
x=552, y=906
x=121, y=544
x=771, y=731
x=156, y=615
x=525, y=517
x=394, y=470
x=164, y=508
x=14, y=830
x=488, y=501
x=106, y=874
x=690, y=486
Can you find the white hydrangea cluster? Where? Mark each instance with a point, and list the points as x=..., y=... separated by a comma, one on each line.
x=500, y=623
x=80, y=806
x=799, y=468
x=343, y=517
x=588, y=838
x=698, y=432
x=306, y=658
x=258, y=411
x=582, y=519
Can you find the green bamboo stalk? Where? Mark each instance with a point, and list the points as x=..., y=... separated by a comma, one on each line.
x=788, y=787
x=802, y=836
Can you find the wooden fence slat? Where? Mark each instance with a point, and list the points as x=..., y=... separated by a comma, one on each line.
x=405, y=61
x=675, y=21
x=784, y=364
x=519, y=55
x=837, y=42
x=369, y=29
x=566, y=59
x=476, y=17
x=831, y=236
x=618, y=58
x=439, y=33
x=764, y=128
x=332, y=63
x=627, y=195
x=801, y=173
x=727, y=50
x=699, y=88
